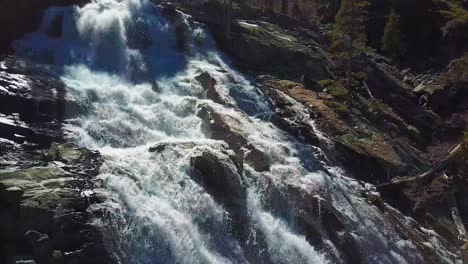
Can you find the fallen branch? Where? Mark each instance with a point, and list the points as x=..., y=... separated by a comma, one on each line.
x=432, y=173
x=442, y=165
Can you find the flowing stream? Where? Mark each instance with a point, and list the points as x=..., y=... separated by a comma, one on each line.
x=124, y=62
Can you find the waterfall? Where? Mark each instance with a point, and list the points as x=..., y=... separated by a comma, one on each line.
x=135, y=71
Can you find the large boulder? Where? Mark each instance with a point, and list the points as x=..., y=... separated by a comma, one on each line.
x=220, y=176
x=47, y=201
x=223, y=127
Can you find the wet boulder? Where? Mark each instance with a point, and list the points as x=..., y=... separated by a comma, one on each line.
x=223, y=127
x=220, y=176
x=282, y=95
x=208, y=83
x=257, y=160
x=216, y=126
x=67, y=153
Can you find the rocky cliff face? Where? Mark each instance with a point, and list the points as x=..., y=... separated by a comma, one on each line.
x=300, y=9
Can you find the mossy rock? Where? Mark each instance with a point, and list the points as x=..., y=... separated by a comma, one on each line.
x=374, y=147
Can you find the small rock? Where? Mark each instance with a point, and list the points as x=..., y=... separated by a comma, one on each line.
x=155, y=87
x=41, y=245
x=158, y=148
x=257, y=160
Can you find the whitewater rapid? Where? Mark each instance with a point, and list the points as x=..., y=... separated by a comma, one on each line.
x=121, y=60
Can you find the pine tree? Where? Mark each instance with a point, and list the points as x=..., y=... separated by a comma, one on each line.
x=349, y=39
x=392, y=40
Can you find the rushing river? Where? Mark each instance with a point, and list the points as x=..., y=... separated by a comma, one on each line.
x=123, y=60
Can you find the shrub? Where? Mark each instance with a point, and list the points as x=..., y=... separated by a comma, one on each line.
x=378, y=105
x=335, y=88
x=338, y=107
x=456, y=11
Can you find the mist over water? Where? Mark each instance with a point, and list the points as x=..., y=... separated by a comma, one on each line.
x=121, y=59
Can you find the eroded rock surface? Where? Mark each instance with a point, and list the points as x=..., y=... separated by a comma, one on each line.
x=48, y=202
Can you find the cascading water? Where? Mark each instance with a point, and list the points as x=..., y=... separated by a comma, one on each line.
x=124, y=62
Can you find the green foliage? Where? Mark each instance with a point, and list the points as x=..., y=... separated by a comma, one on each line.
x=392, y=40
x=349, y=40
x=336, y=88
x=326, y=83
x=338, y=107
x=379, y=106
x=456, y=11
x=338, y=91
x=288, y=84
x=349, y=37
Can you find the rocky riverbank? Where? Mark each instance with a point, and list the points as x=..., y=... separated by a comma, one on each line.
x=46, y=185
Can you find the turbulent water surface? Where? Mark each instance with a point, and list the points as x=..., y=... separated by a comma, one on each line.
x=123, y=60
